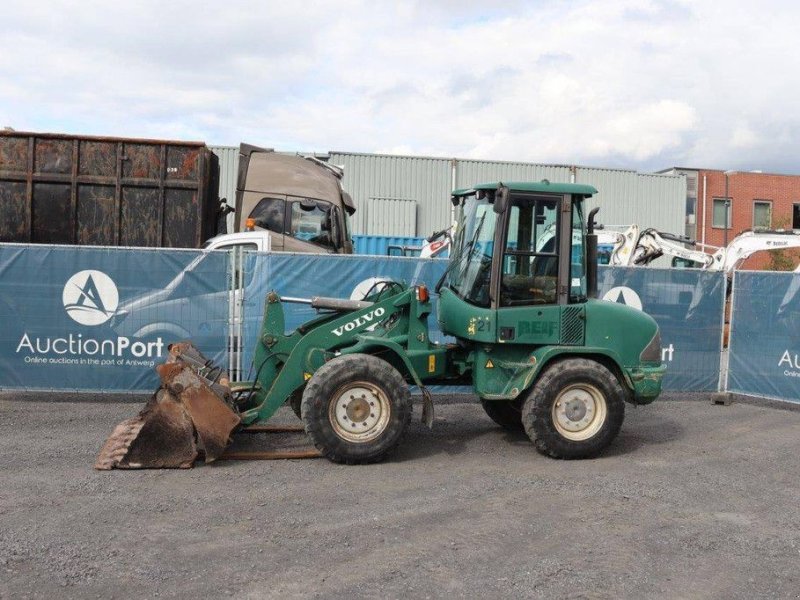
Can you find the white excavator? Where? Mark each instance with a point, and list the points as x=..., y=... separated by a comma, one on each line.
x=641, y=247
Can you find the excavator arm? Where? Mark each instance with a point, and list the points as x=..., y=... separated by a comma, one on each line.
x=640, y=248
x=748, y=243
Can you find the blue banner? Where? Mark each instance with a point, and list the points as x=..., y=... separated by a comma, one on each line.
x=688, y=306
x=100, y=319
x=764, y=348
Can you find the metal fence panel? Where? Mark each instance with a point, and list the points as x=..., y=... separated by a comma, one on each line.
x=100, y=319
x=764, y=344
x=687, y=304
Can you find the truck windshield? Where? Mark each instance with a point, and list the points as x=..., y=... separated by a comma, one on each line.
x=471, y=260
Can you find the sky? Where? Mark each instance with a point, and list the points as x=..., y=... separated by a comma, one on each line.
x=638, y=84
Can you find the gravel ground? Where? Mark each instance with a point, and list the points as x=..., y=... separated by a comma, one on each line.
x=692, y=500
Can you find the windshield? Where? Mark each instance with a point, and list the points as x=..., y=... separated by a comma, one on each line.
x=471, y=259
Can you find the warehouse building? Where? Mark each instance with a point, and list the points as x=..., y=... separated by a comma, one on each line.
x=408, y=196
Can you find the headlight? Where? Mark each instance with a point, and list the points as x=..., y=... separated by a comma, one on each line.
x=652, y=352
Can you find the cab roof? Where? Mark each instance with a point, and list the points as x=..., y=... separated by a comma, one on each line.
x=576, y=189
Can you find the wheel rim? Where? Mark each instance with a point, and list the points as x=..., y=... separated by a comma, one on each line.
x=359, y=412
x=579, y=411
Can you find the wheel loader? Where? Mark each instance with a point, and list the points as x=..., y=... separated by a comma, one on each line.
x=518, y=299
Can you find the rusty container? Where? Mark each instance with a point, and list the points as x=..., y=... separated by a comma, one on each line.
x=66, y=189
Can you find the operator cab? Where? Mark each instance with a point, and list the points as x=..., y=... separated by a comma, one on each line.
x=519, y=246
x=535, y=224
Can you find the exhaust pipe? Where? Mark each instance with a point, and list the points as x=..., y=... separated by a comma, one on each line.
x=591, y=255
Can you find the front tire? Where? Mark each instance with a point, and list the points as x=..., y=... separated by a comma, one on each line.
x=356, y=408
x=575, y=409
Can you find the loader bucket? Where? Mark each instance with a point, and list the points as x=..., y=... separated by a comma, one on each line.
x=188, y=416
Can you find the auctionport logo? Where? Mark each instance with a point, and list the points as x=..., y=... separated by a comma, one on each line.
x=90, y=297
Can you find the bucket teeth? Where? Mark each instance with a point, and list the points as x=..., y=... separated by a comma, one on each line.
x=116, y=447
x=189, y=414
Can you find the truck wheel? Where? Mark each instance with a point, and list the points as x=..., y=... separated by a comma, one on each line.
x=506, y=413
x=356, y=408
x=574, y=410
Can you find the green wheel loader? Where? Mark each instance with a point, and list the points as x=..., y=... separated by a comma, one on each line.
x=518, y=298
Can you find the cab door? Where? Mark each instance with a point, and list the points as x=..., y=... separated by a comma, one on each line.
x=529, y=284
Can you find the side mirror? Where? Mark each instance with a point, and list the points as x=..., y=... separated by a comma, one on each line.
x=501, y=199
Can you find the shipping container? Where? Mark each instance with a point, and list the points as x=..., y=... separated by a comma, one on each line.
x=66, y=189
x=383, y=245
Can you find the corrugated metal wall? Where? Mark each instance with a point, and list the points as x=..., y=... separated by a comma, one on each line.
x=624, y=196
x=426, y=181
x=228, y=173
x=470, y=172
x=228, y=168
x=392, y=216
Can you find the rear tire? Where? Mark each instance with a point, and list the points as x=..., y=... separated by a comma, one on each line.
x=575, y=409
x=356, y=408
x=506, y=413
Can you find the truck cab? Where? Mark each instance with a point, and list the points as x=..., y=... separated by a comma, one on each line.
x=297, y=201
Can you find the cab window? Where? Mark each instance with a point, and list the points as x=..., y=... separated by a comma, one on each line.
x=530, y=258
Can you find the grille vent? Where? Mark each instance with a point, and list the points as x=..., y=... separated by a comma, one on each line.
x=572, y=325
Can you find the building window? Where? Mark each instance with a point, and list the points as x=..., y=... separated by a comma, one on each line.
x=762, y=214
x=796, y=216
x=718, y=218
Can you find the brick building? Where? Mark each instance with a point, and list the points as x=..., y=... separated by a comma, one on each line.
x=755, y=201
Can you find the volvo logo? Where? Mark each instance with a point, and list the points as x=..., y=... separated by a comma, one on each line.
x=358, y=322
x=90, y=297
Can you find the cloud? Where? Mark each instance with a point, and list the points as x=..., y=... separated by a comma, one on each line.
x=633, y=83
